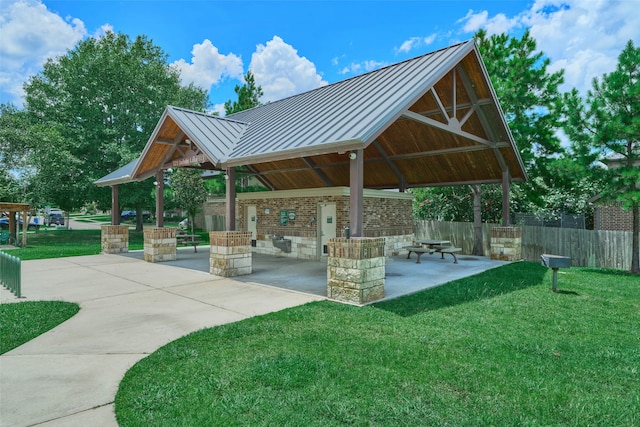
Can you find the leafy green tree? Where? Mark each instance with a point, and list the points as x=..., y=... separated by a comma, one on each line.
x=607, y=124
x=249, y=95
x=189, y=191
x=99, y=104
x=529, y=97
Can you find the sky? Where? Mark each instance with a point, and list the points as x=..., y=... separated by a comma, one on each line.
x=295, y=46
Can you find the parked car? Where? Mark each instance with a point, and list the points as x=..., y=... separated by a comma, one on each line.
x=131, y=215
x=54, y=219
x=4, y=224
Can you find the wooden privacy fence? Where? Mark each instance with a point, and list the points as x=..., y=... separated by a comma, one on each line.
x=586, y=248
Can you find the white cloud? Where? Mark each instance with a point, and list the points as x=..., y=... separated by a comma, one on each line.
x=415, y=42
x=583, y=37
x=281, y=72
x=362, y=67
x=208, y=66
x=30, y=35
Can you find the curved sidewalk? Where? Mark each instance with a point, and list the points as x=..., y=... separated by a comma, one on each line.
x=128, y=308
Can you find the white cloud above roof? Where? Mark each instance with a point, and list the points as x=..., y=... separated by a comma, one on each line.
x=31, y=34
x=281, y=72
x=208, y=66
x=585, y=37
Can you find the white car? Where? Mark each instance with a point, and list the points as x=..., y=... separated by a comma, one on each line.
x=184, y=223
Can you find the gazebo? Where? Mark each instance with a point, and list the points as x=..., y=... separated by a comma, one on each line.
x=433, y=120
x=12, y=209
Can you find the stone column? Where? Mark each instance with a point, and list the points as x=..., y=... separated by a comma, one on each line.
x=159, y=244
x=230, y=253
x=355, y=269
x=115, y=239
x=506, y=243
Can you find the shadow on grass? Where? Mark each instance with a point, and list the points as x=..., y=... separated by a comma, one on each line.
x=489, y=284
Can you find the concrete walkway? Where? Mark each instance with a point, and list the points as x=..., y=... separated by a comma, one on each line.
x=129, y=308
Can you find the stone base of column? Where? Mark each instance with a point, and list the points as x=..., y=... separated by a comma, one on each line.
x=506, y=243
x=159, y=244
x=230, y=253
x=355, y=269
x=115, y=239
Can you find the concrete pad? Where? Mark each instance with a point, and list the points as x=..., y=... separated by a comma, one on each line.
x=103, y=416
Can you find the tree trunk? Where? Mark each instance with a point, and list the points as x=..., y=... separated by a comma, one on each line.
x=477, y=220
x=138, y=220
x=635, y=251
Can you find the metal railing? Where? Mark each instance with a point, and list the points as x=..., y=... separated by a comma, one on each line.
x=10, y=271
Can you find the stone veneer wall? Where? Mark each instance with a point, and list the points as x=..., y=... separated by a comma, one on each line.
x=159, y=244
x=386, y=214
x=506, y=243
x=115, y=239
x=356, y=269
x=230, y=253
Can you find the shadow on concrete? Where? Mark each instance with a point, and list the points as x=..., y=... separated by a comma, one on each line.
x=485, y=285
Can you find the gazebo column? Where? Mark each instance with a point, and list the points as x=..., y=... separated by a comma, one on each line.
x=115, y=205
x=506, y=240
x=356, y=192
x=506, y=184
x=230, y=212
x=355, y=269
x=160, y=199
x=115, y=237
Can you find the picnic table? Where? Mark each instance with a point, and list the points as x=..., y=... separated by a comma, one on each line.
x=430, y=246
x=188, y=239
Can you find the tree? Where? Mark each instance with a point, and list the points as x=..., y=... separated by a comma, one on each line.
x=189, y=191
x=248, y=96
x=529, y=97
x=97, y=106
x=607, y=124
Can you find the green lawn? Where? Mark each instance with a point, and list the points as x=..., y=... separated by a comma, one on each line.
x=65, y=243
x=23, y=321
x=498, y=348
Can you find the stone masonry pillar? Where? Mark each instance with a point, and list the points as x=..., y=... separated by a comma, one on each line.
x=115, y=239
x=506, y=243
x=230, y=253
x=355, y=269
x=159, y=244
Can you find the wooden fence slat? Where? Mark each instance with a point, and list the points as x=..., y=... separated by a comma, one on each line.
x=586, y=248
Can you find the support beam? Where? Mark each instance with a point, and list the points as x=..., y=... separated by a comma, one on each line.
x=115, y=205
x=356, y=192
x=401, y=181
x=452, y=127
x=230, y=211
x=318, y=172
x=506, y=183
x=160, y=198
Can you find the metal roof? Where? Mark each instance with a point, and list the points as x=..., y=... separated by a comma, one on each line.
x=350, y=111
x=118, y=176
x=431, y=120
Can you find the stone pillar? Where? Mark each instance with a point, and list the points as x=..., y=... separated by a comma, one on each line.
x=230, y=253
x=159, y=244
x=506, y=243
x=115, y=239
x=355, y=269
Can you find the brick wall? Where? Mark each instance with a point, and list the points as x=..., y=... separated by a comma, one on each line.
x=386, y=214
x=611, y=216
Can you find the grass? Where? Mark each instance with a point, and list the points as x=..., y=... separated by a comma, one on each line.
x=23, y=321
x=498, y=348
x=66, y=243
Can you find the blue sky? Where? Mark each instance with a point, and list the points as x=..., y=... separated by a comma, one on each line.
x=294, y=46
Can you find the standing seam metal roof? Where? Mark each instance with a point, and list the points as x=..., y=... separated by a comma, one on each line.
x=349, y=110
